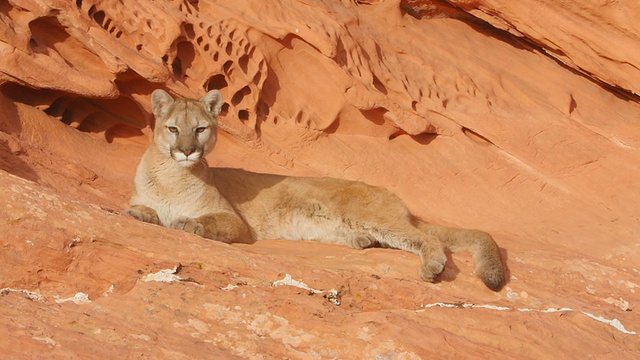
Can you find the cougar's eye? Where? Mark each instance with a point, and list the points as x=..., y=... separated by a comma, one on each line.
x=200, y=129
x=172, y=129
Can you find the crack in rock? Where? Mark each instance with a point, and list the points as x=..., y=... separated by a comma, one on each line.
x=614, y=322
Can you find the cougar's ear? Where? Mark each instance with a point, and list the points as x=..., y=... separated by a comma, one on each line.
x=212, y=102
x=160, y=101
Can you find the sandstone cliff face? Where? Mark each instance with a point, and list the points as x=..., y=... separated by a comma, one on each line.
x=521, y=119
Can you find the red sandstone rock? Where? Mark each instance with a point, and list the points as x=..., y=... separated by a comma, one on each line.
x=471, y=126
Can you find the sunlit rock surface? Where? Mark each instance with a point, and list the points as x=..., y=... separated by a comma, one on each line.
x=518, y=118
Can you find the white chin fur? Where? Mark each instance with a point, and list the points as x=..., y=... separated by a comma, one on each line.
x=186, y=163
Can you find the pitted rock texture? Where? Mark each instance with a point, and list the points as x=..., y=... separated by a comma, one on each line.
x=519, y=119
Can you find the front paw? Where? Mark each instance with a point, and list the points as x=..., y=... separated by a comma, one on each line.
x=360, y=242
x=188, y=225
x=145, y=214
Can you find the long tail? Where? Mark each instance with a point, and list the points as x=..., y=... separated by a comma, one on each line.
x=483, y=248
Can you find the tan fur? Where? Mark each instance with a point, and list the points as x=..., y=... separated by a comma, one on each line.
x=174, y=187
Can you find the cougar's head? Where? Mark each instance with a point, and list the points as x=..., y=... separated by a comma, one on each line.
x=186, y=129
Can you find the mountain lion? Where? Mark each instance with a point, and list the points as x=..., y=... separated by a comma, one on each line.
x=175, y=187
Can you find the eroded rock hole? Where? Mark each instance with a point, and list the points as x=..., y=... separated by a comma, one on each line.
x=239, y=95
x=225, y=109
x=176, y=65
x=572, y=104
x=117, y=118
x=99, y=17
x=5, y=7
x=188, y=9
x=262, y=109
x=379, y=86
x=227, y=67
x=184, y=58
x=244, y=62
x=60, y=109
x=41, y=99
x=257, y=77
x=243, y=115
x=194, y=3
x=188, y=29
x=107, y=118
x=216, y=82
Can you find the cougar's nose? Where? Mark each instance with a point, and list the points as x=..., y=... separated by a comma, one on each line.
x=188, y=151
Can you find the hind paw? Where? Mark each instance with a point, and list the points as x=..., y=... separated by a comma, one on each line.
x=432, y=267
